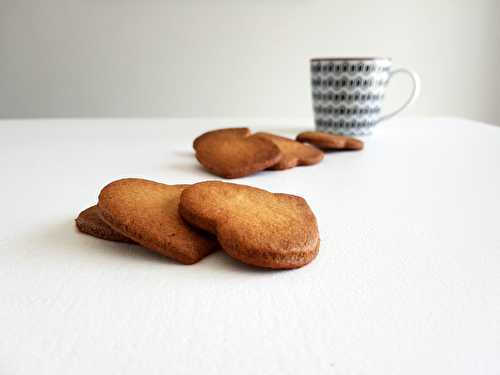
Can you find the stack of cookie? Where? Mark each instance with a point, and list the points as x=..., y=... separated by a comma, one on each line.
x=188, y=222
x=235, y=152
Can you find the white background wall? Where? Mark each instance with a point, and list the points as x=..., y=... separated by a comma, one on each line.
x=237, y=57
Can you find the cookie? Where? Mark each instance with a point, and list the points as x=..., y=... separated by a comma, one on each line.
x=147, y=212
x=227, y=132
x=253, y=225
x=233, y=153
x=89, y=221
x=294, y=153
x=327, y=141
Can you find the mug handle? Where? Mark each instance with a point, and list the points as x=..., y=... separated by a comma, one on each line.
x=414, y=93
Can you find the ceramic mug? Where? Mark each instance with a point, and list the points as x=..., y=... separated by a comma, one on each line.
x=348, y=93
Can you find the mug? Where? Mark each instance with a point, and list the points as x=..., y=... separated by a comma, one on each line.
x=348, y=93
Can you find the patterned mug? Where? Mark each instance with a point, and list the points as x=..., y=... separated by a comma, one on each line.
x=348, y=93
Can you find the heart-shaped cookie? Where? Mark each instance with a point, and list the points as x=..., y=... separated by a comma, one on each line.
x=147, y=212
x=89, y=221
x=293, y=153
x=233, y=153
x=327, y=141
x=253, y=225
x=226, y=132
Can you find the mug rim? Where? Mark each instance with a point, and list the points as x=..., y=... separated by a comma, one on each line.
x=349, y=58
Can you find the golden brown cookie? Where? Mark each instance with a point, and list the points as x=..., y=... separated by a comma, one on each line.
x=294, y=153
x=253, y=225
x=147, y=212
x=227, y=132
x=233, y=153
x=89, y=221
x=327, y=141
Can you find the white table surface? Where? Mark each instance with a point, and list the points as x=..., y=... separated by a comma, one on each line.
x=407, y=280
